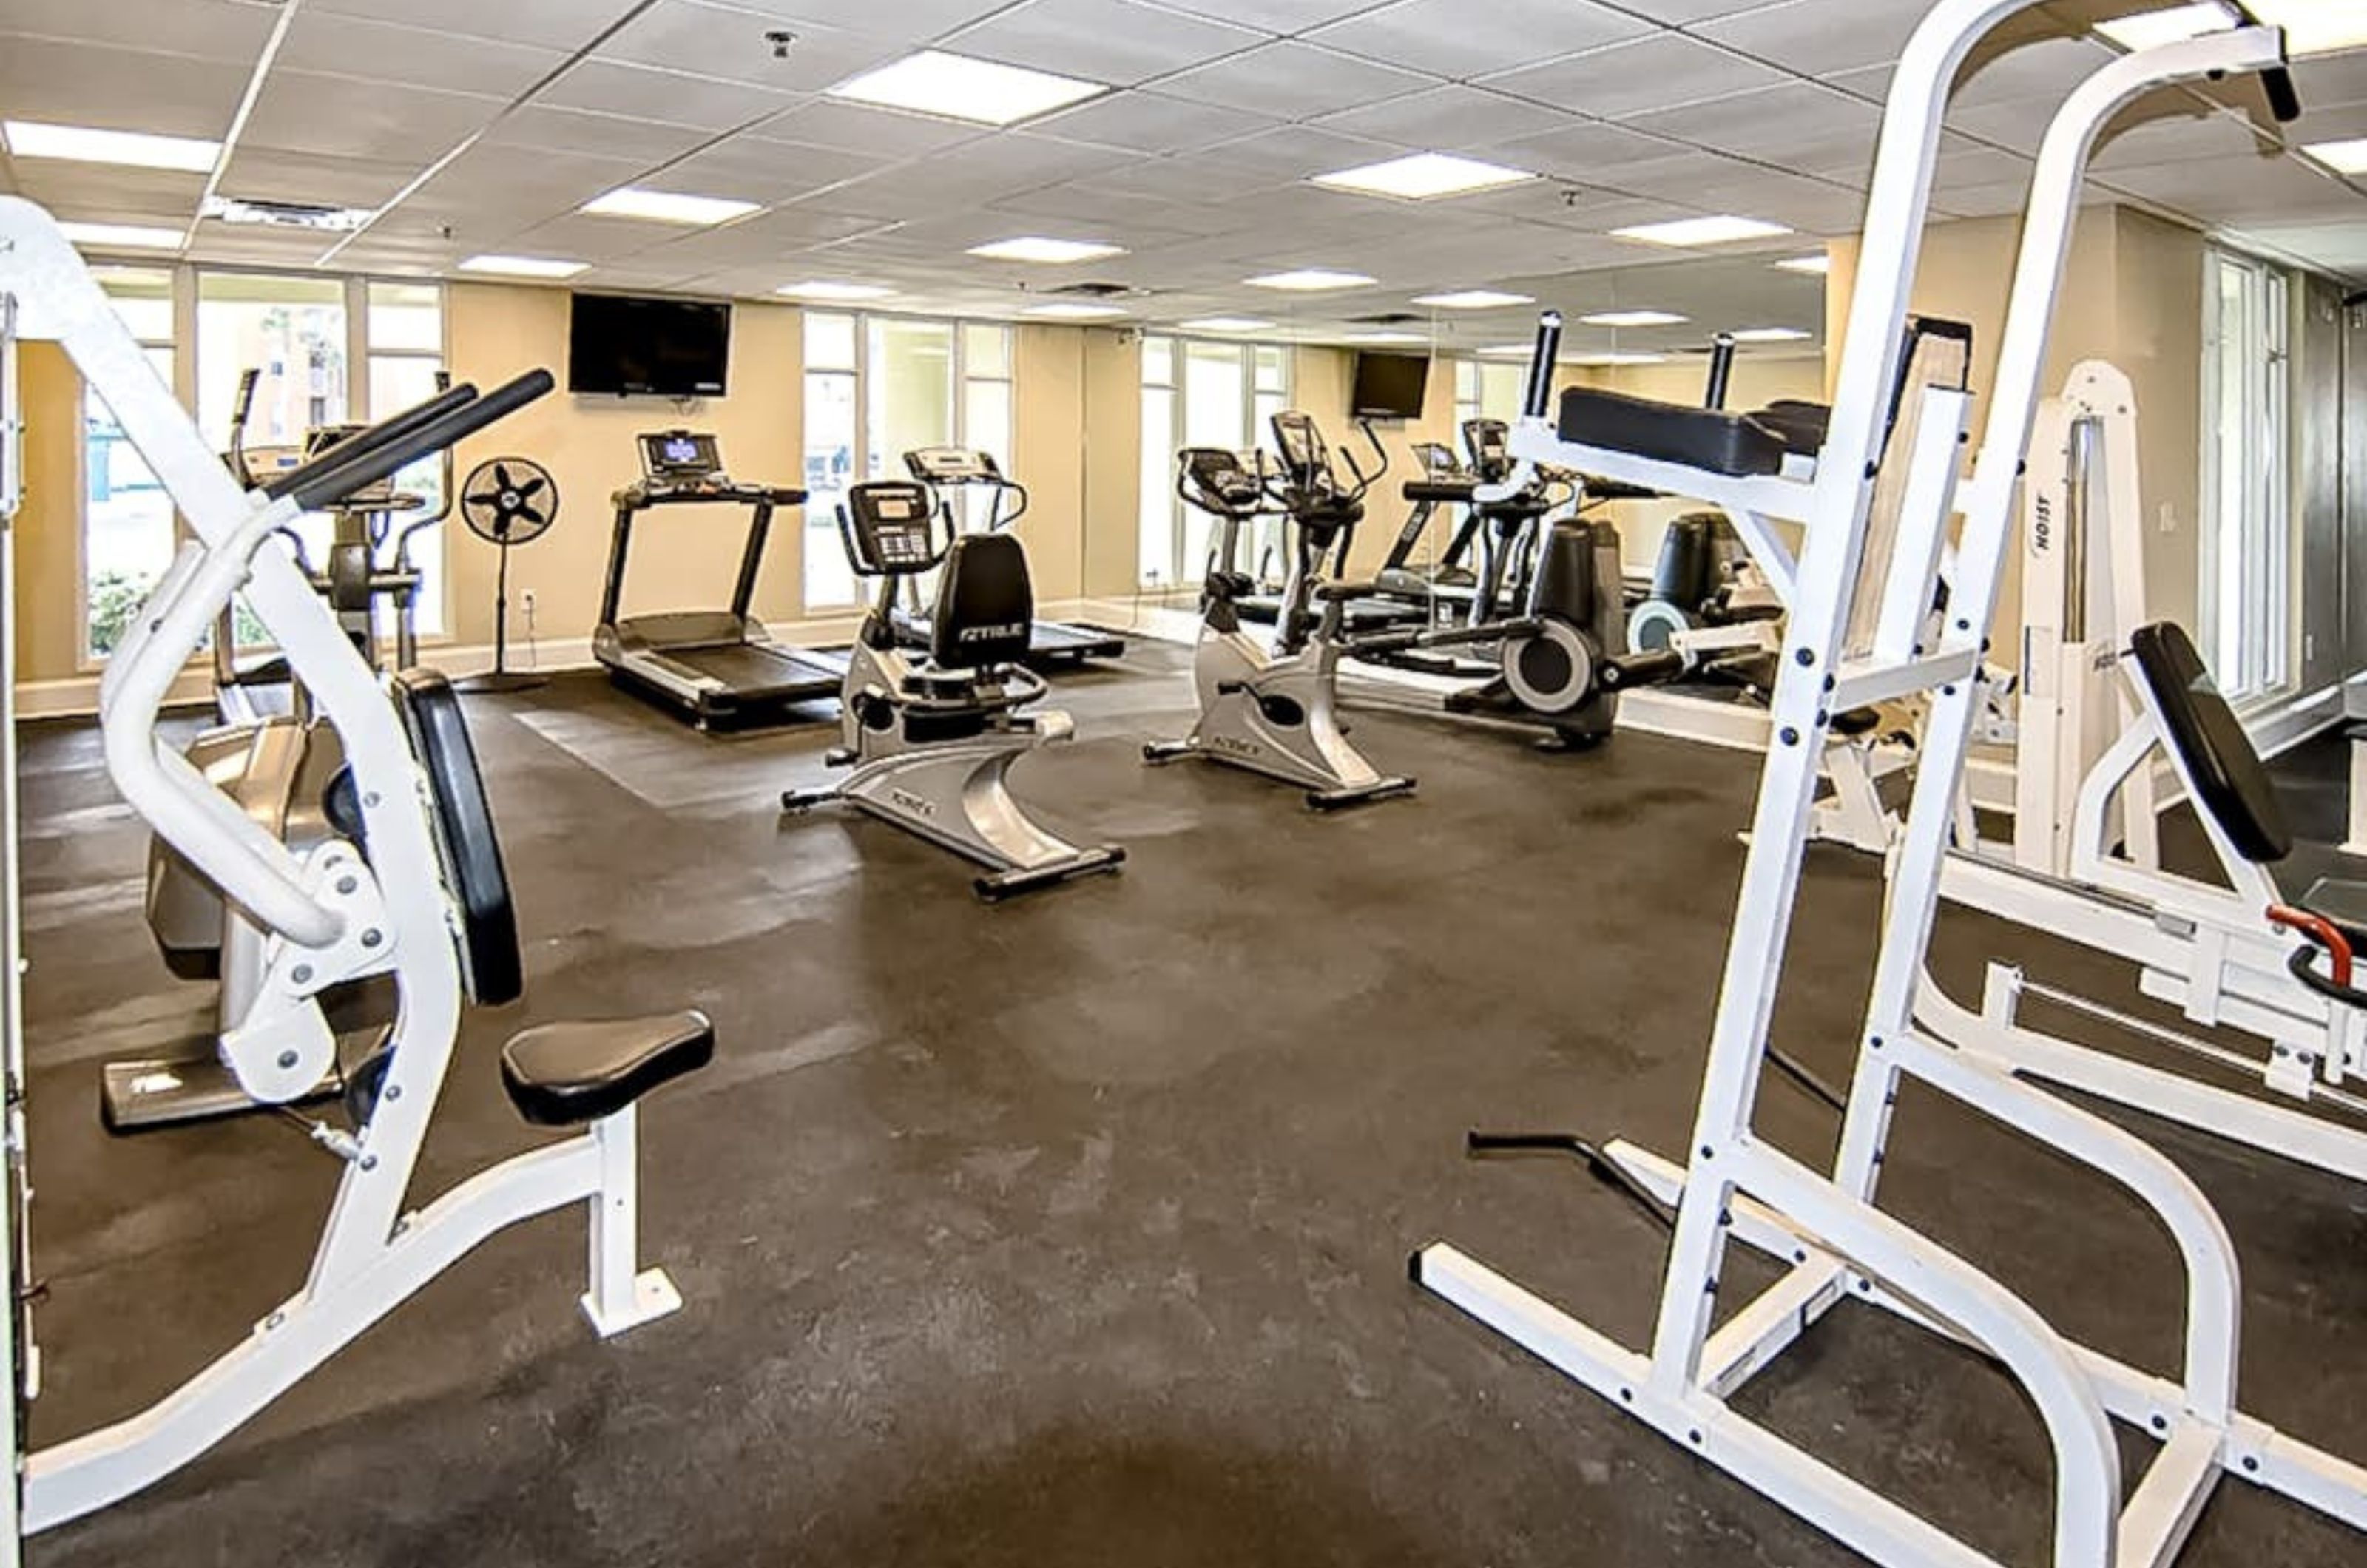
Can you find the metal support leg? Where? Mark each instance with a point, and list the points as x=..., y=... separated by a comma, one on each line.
x=620, y=1298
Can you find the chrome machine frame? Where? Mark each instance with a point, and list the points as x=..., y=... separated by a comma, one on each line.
x=333, y=916
x=1825, y=1229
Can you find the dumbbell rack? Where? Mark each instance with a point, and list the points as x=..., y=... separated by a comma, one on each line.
x=1826, y=1230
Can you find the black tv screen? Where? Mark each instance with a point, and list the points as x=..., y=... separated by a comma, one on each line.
x=1390, y=386
x=619, y=346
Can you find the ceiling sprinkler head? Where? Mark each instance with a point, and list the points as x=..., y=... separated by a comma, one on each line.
x=780, y=38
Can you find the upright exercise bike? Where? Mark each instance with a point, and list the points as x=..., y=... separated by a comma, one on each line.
x=1276, y=714
x=930, y=737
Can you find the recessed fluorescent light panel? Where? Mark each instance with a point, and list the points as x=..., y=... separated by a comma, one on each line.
x=523, y=267
x=286, y=214
x=122, y=236
x=953, y=86
x=1473, y=299
x=1634, y=319
x=1073, y=312
x=1816, y=267
x=1311, y=280
x=132, y=148
x=2148, y=29
x=1723, y=230
x=1770, y=334
x=836, y=293
x=1047, y=253
x=1424, y=176
x=668, y=206
x=2342, y=157
x=1224, y=324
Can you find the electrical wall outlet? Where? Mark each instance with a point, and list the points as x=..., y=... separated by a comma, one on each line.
x=526, y=598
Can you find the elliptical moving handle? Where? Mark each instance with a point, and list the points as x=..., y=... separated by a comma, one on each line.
x=444, y=429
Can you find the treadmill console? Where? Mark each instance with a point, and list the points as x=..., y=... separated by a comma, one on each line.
x=953, y=465
x=1303, y=457
x=1489, y=443
x=890, y=528
x=673, y=460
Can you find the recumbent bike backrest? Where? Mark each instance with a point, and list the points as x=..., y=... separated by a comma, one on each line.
x=986, y=604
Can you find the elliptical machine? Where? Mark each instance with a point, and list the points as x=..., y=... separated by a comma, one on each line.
x=1277, y=713
x=931, y=739
x=279, y=766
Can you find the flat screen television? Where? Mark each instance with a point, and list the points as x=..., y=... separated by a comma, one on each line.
x=1390, y=386
x=619, y=346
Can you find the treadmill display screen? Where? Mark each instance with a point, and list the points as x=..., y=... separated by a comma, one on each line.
x=680, y=455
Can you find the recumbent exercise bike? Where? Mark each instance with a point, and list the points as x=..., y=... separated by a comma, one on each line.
x=931, y=739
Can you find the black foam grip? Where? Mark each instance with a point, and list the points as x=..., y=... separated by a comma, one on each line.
x=2284, y=99
x=446, y=429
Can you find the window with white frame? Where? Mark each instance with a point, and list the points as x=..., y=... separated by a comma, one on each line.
x=1488, y=388
x=2247, y=507
x=883, y=386
x=128, y=519
x=298, y=332
x=1198, y=393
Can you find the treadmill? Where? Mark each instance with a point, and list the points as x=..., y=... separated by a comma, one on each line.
x=713, y=667
x=958, y=469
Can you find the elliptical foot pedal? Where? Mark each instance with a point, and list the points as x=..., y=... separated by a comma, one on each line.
x=158, y=1092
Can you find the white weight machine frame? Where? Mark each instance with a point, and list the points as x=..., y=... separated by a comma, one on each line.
x=2084, y=863
x=18, y=1365
x=332, y=914
x=1825, y=1229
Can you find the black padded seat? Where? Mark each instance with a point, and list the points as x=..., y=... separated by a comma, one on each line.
x=1736, y=445
x=569, y=1075
x=2210, y=740
x=986, y=604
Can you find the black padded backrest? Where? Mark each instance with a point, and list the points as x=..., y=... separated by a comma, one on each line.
x=986, y=604
x=491, y=966
x=2209, y=740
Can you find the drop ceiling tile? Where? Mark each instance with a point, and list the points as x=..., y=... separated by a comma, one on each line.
x=1818, y=38
x=1450, y=118
x=246, y=245
x=643, y=92
x=1656, y=72
x=83, y=84
x=552, y=24
x=1165, y=180
x=823, y=123
x=641, y=142
x=2243, y=189
x=588, y=238
x=1146, y=121
x=225, y=32
x=2176, y=140
x=728, y=42
x=2328, y=81
x=1280, y=17
x=1811, y=206
x=1112, y=41
x=266, y=173
x=907, y=21
x=388, y=52
x=1440, y=36
x=1583, y=151
x=158, y=194
x=1294, y=152
x=768, y=172
x=2048, y=68
x=348, y=117
x=1295, y=81
x=1795, y=125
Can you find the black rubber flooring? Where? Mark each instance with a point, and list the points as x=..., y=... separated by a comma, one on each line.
x=1072, y=1233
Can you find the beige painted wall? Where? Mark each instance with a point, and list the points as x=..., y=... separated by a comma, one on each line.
x=1110, y=448
x=682, y=558
x=1049, y=455
x=48, y=608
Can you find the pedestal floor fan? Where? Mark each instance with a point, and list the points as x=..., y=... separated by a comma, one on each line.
x=507, y=501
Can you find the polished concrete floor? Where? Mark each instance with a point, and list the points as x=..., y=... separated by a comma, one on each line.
x=1073, y=1233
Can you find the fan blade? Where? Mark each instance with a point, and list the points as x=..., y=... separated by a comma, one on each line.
x=483, y=498
x=533, y=488
x=528, y=514
x=502, y=476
